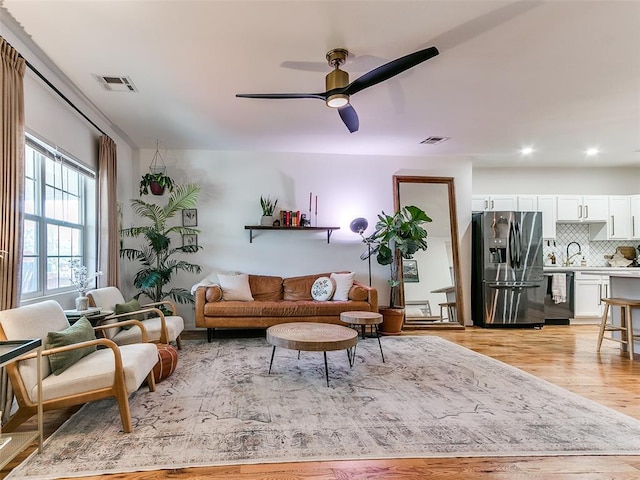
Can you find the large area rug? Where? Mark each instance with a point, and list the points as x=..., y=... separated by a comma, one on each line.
x=431, y=398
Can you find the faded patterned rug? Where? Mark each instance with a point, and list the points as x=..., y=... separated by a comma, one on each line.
x=432, y=398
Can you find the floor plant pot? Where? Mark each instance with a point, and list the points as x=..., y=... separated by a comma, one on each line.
x=392, y=321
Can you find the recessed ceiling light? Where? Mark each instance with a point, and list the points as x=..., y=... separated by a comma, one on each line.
x=592, y=151
x=526, y=151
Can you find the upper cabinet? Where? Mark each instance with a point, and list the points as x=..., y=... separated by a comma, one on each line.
x=547, y=205
x=635, y=216
x=618, y=225
x=494, y=203
x=579, y=208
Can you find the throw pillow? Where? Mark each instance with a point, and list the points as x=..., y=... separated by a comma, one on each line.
x=235, y=287
x=128, y=307
x=81, y=331
x=322, y=289
x=344, y=282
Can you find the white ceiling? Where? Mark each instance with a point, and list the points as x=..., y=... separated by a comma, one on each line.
x=560, y=76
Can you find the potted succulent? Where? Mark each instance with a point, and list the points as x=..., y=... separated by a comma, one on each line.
x=268, y=207
x=156, y=182
x=396, y=237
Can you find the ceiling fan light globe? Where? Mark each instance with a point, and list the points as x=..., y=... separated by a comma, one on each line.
x=338, y=100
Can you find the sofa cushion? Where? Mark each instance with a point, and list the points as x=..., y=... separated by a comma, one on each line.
x=284, y=308
x=265, y=288
x=343, y=283
x=299, y=288
x=235, y=287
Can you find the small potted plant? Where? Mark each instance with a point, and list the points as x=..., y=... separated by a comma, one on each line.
x=268, y=207
x=402, y=233
x=156, y=182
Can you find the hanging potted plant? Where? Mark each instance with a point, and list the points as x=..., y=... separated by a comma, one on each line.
x=396, y=237
x=268, y=207
x=156, y=183
x=156, y=180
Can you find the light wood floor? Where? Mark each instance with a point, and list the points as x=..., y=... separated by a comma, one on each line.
x=562, y=355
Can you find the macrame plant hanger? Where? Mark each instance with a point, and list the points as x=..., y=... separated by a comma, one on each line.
x=157, y=163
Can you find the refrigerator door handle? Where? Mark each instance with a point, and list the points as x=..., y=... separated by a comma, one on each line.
x=511, y=246
x=518, y=245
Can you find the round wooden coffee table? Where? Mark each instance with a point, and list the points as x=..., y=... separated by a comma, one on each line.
x=362, y=319
x=312, y=337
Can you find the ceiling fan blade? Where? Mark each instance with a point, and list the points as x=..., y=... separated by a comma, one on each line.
x=391, y=69
x=320, y=96
x=349, y=117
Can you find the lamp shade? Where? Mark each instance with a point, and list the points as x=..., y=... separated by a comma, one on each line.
x=359, y=225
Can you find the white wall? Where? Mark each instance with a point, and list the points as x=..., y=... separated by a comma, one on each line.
x=551, y=181
x=347, y=187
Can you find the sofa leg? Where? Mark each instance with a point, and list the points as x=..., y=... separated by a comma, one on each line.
x=211, y=334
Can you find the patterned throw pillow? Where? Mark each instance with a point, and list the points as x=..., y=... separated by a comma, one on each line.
x=322, y=289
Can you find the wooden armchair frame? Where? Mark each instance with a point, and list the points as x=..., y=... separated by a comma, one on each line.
x=147, y=308
x=27, y=408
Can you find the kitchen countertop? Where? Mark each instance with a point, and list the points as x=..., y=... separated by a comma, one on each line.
x=611, y=271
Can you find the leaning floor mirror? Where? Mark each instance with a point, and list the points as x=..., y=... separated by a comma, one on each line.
x=431, y=289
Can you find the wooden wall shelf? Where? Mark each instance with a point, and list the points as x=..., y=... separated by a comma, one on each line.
x=329, y=230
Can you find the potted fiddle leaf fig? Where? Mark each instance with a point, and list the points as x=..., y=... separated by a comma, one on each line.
x=396, y=237
x=156, y=182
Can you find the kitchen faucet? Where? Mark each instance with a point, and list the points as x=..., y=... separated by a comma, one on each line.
x=579, y=252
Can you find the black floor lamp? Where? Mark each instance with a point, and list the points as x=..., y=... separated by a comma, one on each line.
x=359, y=225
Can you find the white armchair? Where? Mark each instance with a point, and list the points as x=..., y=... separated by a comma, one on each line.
x=110, y=371
x=160, y=328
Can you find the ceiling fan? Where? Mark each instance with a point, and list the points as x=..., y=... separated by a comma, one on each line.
x=338, y=88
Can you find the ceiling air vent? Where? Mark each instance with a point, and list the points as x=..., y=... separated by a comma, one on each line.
x=114, y=83
x=434, y=140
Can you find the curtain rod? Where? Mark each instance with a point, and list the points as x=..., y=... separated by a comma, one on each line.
x=63, y=96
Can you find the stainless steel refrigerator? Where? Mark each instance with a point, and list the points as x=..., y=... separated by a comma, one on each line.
x=507, y=285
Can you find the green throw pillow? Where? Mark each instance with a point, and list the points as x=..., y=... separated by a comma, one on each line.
x=81, y=331
x=131, y=306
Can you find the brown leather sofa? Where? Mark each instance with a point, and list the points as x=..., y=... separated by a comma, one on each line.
x=277, y=300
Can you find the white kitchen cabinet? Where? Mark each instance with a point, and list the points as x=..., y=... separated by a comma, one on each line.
x=494, y=203
x=579, y=208
x=618, y=226
x=527, y=203
x=635, y=216
x=589, y=289
x=547, y=205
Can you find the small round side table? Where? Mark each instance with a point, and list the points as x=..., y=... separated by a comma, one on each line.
x=363, y=319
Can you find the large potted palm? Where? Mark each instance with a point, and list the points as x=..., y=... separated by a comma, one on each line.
x=158, y=257
x=396, y=237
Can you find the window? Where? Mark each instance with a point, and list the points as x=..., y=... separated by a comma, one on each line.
x=58, y=193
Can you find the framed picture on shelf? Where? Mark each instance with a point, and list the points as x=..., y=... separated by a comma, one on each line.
x=189, y=217
x=190, y=239
x=410, y=271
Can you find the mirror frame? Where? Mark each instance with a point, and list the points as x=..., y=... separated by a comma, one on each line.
x=455, y=247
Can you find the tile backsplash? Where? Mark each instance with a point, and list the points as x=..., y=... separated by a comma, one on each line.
x=593, y=251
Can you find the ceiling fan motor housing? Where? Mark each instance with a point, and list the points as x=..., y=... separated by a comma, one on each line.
x=337, y=78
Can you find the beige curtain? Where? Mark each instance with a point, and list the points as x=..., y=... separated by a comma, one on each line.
x=109, y=238
x=12, y=68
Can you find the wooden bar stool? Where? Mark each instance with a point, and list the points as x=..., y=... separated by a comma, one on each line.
x=451, y=311
x=626, y=323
